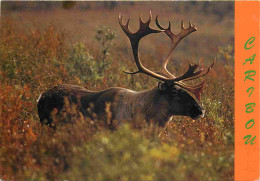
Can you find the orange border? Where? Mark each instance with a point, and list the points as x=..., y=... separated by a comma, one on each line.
x=246, y=26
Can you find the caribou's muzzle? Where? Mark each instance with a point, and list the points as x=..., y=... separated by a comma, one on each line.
x=197, y=112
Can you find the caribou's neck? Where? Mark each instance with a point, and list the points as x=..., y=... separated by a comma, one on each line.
x=152, y=105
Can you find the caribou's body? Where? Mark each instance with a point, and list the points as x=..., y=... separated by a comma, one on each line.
x=153, y=105
x=158, y=104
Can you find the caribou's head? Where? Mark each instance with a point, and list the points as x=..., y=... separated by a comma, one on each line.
x=173, y=89
x=179, y=101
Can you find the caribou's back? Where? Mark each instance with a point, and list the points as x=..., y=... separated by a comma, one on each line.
x=97, y=101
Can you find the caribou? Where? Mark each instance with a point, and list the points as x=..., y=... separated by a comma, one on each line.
x=172, y=96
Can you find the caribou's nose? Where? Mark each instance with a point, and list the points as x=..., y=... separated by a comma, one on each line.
x=197, y=112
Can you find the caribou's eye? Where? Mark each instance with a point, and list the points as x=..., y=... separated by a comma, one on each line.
x=175, y=94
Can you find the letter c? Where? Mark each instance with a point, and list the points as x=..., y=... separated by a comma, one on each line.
x=249, y=42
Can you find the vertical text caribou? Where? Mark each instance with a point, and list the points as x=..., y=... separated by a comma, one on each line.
x=158, y=104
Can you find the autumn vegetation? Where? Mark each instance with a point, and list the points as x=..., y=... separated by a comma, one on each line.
x=43, y=44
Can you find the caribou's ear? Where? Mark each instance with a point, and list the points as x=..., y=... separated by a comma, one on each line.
x=162, y=87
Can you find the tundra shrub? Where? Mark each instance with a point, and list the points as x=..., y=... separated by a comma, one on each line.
x=126, y=155
x=81, y=64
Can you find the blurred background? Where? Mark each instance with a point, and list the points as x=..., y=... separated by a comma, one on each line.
x=43, y=44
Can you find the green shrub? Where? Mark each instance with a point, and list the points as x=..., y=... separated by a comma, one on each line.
x=82, y=65
x=126, y=155
x=105, y=36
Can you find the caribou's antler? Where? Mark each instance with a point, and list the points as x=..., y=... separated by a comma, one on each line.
x=134, y=39
x=175, y=39
x=169, y=78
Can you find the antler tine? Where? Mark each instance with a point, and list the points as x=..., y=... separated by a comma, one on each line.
x=166, y=30
x=125, y=27
x=190, y=74
x=197, y=89
x=148, y=21
x=186, y=31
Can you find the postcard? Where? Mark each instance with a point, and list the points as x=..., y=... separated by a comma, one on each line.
x=129, y=90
